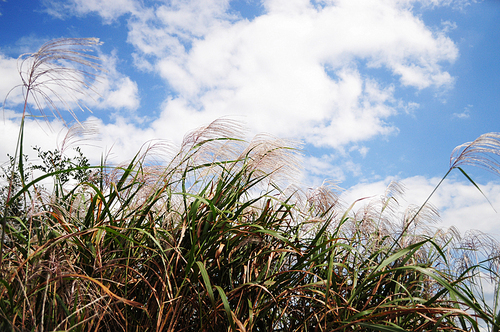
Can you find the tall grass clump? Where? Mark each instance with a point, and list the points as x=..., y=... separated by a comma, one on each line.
x=212, y=236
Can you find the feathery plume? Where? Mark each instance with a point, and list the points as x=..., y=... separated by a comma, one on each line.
x=480, y=153
x=60, y=70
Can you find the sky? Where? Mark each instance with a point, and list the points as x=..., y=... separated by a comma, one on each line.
x=375, y=90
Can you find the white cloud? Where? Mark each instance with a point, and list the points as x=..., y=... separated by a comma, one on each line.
x=293, y=71
x=125, y=96
x=287, y=6
x=193, y=18
x=10, y=79
x=48, y=95
x=108, y=10
x=118, y=142
x=36, y=133
x=460, y=204
x=448, y=26
x=316, y=169
x=296, y=71
x=116, y=91
x=465, y=114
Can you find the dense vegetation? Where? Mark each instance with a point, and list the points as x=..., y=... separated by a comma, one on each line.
x=212, y=237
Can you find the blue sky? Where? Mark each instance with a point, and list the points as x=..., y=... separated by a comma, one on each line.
x=377, y=90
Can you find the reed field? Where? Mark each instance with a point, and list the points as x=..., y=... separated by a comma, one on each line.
x=214, y=235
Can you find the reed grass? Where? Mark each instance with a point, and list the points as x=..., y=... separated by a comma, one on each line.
x=213, y=238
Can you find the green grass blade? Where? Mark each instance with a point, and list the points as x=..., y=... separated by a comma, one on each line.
x=227, y=308
x=206, y=281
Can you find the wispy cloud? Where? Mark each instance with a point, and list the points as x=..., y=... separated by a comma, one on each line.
x=448, y=26
x=465, y=114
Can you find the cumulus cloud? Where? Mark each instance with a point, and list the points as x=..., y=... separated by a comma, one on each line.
x=124, y=96
x=108, y=10
x=327, y=167
x=102, y=140
x=459, y=203
x=36, y=133
x=111, y=91
x=10, y=79
x=298, y=70
x=116, y=91
x=118, y=142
